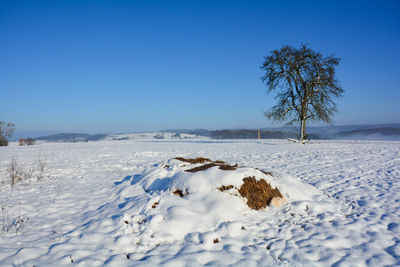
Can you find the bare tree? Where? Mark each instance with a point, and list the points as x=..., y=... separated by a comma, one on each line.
x=6, y=130
x=306, y=85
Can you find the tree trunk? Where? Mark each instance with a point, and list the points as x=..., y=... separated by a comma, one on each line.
x=303, y=118
x=303, y=130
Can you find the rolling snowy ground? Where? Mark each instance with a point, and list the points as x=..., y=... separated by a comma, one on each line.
x=92, y=206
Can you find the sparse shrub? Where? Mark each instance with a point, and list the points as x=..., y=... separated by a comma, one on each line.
x=21, y=142
x=20, y=175
x=14, y=172
x=17, y=175
x=41, y=165
x=10, y=224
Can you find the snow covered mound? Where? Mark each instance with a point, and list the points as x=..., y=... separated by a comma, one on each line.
x=201, y=176
x=186, y=199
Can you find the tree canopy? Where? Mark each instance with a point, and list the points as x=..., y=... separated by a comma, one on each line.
x=305, y=83
x=6, y=130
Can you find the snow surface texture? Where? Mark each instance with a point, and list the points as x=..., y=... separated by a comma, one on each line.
x=111, y=202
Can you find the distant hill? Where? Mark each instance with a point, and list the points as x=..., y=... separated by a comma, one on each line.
x=96, y=137
x=71, y=137
x=390, y=132
x=199, y=132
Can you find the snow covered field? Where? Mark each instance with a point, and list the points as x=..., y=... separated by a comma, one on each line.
x=94, y=205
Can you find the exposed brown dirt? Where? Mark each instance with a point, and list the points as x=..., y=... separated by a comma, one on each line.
x=194, y=161
x=202, y=167
x=221, y=164
x=178, y=193
x=155, y=204
x=225, y=187
x=258, y=193
x=225, y=167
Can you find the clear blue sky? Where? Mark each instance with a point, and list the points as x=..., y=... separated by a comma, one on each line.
x=120, y=66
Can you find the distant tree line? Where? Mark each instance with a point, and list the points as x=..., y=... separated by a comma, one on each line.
x=381, y=131
x=26, y=141
x=253, y=134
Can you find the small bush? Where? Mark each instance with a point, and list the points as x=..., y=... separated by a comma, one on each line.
x=21, y=142
x=3, y=141
x=30, y=141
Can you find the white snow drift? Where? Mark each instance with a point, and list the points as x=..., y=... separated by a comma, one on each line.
x=108, y=203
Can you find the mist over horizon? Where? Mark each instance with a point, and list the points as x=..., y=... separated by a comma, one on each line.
x=325, y=130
